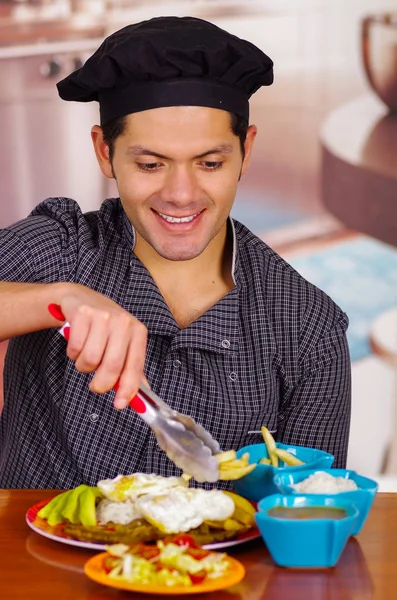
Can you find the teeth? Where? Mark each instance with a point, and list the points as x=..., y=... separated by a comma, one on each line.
x=176, y=219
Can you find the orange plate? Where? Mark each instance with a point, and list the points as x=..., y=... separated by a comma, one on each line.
x=235, y=573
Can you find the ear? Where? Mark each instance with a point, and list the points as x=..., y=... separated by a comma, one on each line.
x=102, y=151
x=248, y=145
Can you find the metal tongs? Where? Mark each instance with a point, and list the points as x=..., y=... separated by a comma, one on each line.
x=185, y=442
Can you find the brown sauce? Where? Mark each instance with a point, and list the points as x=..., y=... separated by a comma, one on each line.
x=307, y=512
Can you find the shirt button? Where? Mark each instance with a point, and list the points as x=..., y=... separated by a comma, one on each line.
x=94, y=418
x=177, y=363
x=233, y=376
x=225, y=344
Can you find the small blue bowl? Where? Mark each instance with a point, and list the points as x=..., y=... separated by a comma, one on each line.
x=259, y=483
x=362, y=498
x=309, y=543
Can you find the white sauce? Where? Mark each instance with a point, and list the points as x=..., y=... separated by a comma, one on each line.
x=324, y=483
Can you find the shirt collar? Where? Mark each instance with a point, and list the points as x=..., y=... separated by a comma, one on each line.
x=235, y=253
x=216, y=330
x=128, y=230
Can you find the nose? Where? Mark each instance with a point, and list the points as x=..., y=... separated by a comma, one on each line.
x=180, y=186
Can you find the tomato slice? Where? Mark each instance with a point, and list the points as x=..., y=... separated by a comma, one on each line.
x=197, y=553
x=160, y=567
x=108, y=563
x=146, y=551
x=198, y=577
x=149, y=552
x=184, y=540
x=137, y=548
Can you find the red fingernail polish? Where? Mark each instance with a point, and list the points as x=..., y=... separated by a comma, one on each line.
x=56, y=312
x=66, y=333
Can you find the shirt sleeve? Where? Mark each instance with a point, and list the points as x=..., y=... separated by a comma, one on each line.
x=41, y=248
x=316, y=413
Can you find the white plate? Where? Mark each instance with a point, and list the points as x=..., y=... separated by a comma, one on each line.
x=41, y=527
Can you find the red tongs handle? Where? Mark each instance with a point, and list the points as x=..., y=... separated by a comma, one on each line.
x=136, y=402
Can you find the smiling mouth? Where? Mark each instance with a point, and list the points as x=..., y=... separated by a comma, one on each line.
x=171, y=219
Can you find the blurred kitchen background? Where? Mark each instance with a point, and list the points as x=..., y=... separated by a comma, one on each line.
x=322, y=187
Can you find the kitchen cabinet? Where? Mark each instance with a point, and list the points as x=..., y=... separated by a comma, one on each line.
x=45, y=143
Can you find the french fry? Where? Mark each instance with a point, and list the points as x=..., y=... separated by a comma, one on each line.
x=230, y=473
x=232, y=525
x=270, y=445
x=230, y=467
x=233, y=468
x=265, y=461
x=288, y=458
x=243, y=509
x=243, y=517
x=241, y=503
x=237, y=463
x=225, y=456
x=215, y=524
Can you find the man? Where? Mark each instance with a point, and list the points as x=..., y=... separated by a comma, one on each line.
x=161, y=283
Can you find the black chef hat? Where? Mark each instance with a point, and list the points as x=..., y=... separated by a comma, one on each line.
x=169, y=61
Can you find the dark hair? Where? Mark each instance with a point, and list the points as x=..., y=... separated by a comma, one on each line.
x=239, y=126
x=115, y=128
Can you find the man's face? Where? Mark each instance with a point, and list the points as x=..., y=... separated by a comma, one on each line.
x=177, y=171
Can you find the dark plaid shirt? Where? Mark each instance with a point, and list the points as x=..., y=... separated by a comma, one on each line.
x=273, y=351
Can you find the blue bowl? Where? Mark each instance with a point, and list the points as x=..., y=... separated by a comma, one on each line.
x=309, y=543
x=362, y=498
x=259, y=483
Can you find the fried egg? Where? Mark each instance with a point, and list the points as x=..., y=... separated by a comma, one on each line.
x=117, y=512
x=130, y=487
x=182, y=509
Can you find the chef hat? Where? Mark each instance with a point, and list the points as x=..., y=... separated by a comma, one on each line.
x=169, y=61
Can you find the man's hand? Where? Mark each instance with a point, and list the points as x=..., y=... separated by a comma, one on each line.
x=107, y=339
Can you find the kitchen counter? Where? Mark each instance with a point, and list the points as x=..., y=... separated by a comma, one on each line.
x=16, y=34
x=53, y=46
x=51, y=28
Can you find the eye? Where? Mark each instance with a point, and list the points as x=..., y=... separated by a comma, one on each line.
x=211, y=165
x=149, y=167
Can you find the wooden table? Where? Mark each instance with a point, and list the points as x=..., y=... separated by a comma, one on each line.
x=33, y=567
